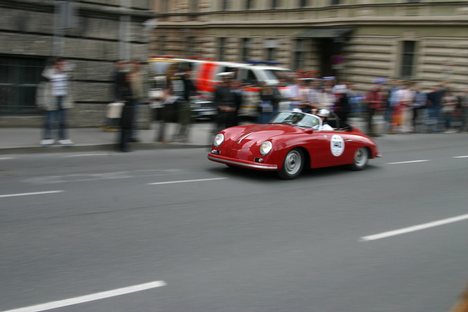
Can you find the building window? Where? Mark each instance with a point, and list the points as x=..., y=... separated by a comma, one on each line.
x=270, y=54
x=225, y=5
x=161, y=45
x=193, y=6
x=221, y=49
x=19, y=78
x=246, y=44
x=408, y=53
x=303, y=3
x=271, y=46
x=275, y=4
x=164, y=6
x=298, y=61
x=190, y=46
x=335, y=2
x=249, y=4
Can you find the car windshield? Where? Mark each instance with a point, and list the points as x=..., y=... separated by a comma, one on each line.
x=297, y=119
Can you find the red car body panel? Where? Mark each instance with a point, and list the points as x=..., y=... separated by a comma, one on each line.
x=241, y=146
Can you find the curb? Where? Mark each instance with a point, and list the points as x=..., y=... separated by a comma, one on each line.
x=96, y=147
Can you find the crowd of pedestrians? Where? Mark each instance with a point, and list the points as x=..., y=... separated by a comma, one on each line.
x=402, y=106
x=407, y=108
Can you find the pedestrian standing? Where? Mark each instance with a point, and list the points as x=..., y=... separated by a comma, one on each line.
x=238, y=93
x=138, y=95
x=373, y=104
x=269, y=101
x=185, y=91
x=313, y=95
x=449, y=105
x=434, y=106
x=342, y=106
x=388, y=98
x=126, y=119
x=327, y=97
x=464, y=107
x=225, y=102
x=406, y=101
x=418, y=105
x=112, y=119
x=293, y=93
x=54, y=97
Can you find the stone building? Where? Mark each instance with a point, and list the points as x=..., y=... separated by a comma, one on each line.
x=357, y=40
x=97, y=33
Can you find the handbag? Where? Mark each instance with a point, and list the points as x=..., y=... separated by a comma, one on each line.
x=114, y=110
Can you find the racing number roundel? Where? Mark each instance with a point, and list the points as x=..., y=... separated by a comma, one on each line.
x=337, y=145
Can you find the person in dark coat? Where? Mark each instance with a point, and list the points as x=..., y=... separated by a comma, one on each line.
x=238, y=99
x=342, y=107
x=184, y=112
x=126, y=119
x=269, y=102
x=225, y=102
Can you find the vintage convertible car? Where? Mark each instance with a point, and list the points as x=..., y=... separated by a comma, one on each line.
x=291, y=142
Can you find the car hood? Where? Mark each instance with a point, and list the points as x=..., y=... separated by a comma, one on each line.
x=260, y=133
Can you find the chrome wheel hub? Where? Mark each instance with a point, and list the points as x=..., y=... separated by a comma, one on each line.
x=293, y=162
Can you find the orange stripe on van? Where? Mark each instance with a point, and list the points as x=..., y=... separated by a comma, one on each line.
x=252, y=89
x=204, y=82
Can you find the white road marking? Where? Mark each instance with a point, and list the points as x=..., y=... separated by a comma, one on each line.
x=408, y=162
x=460, y=157
x=6, y=158
x=88, y=298
x=186, y=181
x=31, y=194
x=414, y=228
x=86, y=155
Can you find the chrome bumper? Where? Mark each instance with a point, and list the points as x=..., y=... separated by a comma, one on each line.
x=245, y=164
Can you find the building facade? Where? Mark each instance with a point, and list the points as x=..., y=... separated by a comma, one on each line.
x=356, y=40
x=90, y=34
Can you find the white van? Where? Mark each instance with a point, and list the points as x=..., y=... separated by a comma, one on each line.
x=205, y=74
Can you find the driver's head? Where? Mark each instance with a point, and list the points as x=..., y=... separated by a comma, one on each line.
x=323, y=113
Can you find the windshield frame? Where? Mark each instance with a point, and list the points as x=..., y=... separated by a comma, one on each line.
x=301, y=122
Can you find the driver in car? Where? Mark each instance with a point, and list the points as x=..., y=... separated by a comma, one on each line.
x=324, y=114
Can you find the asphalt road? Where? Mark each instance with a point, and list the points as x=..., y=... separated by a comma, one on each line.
x=221, y=240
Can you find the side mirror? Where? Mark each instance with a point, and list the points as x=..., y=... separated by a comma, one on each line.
x=309, y=131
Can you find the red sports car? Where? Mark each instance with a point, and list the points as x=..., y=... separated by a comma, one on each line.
x=291, y=142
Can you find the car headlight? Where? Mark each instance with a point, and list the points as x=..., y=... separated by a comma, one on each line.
x=218, y=140
x=266, y=147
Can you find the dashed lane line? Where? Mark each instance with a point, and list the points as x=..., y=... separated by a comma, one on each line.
x=408, y=162
x=7, y=158
x=88, y=298
x=85, y=155
x=460, y=157
x=186, y=181
x=414, y=228
x=31, y=193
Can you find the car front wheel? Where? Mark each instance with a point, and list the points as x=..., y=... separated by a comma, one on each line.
x=292, y=165
x=361, y=157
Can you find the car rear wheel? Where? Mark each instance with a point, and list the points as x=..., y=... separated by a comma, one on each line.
x=293, y=164
x=361, y=158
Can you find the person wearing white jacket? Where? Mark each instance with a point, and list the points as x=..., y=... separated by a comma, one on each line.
x=53, y=96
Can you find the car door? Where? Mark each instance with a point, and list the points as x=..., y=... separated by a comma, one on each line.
x=338, y=148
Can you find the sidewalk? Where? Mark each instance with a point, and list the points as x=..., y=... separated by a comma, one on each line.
x=27, y=140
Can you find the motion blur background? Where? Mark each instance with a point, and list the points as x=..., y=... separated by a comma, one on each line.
x=355, y=40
